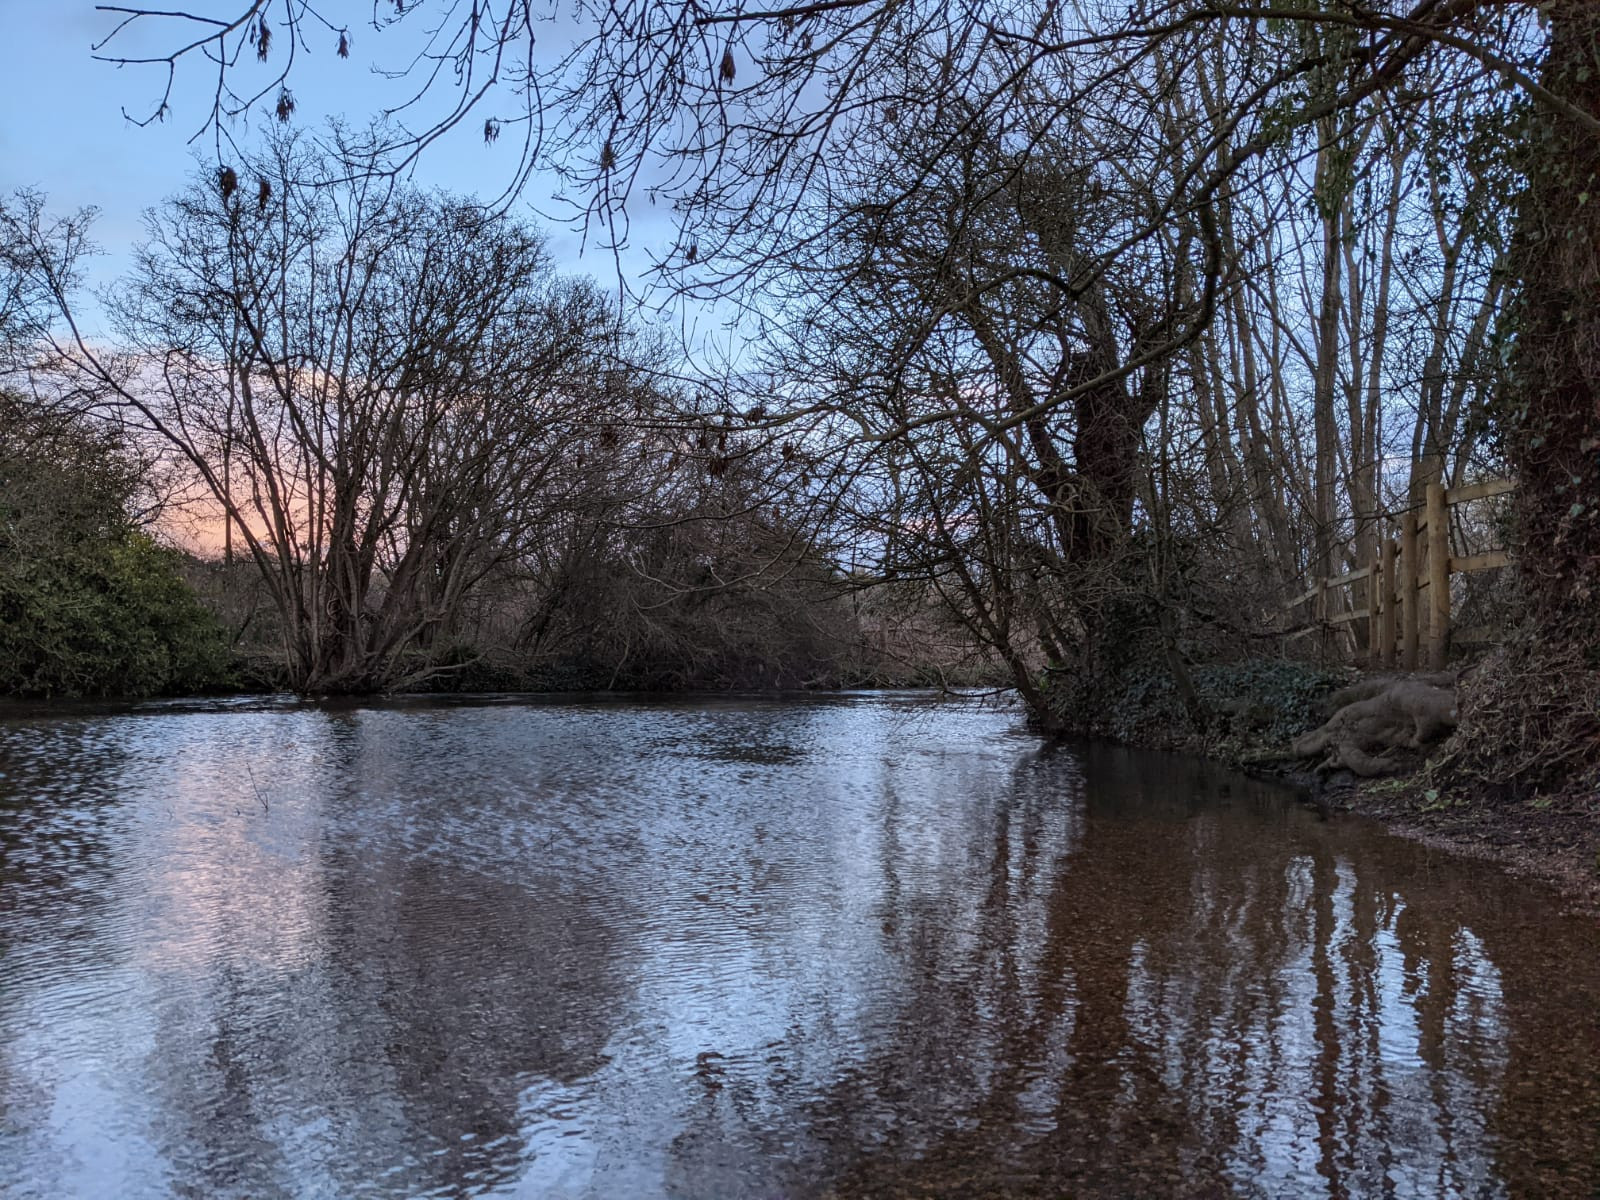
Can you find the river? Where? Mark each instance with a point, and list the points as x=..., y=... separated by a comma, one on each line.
x=858, y=945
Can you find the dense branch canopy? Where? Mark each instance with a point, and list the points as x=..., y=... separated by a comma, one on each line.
x=741, y=115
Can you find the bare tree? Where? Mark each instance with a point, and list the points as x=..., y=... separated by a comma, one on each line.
x=764, y=125
x=372, y=384
x=35, y=250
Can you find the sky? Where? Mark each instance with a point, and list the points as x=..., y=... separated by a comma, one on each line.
x=64, y=133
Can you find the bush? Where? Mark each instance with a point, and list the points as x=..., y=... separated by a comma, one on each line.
x=1273, y=700
x=1248, y=703
x=112, y=619
x=89, y=604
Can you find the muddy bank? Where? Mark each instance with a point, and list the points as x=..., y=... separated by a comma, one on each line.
x=1552, y=839
x=1259, y=712
x=1555, y=840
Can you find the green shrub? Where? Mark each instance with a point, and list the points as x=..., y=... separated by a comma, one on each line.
x=1274, y=699
x=1250, y=702
x=112, y=617
x=90, y=605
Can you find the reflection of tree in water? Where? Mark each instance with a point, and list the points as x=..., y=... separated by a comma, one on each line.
x=916, y=968
x=401, y=1059
x=1221, y=1004
x=393, y=1059
x=482, y=987
x=963, y=903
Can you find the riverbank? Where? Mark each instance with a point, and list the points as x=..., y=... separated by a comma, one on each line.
x=1550, y=837
x=1554, y=841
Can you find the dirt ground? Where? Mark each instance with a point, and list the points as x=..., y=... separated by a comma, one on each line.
x=1552, y=839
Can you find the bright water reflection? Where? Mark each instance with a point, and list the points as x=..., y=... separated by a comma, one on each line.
x=853, y=946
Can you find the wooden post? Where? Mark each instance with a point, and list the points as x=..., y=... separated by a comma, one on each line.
x=1324, y=642
x=1374, y=625
x=1424, y=613
x=1386, y=631
x=1408, y=590
x=1438, y=577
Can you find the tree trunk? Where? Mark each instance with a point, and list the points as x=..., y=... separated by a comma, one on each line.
x=1528, y=718
x=1327, y=370
x=1551, y=406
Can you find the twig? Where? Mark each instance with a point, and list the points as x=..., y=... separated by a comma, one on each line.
x=264, y=806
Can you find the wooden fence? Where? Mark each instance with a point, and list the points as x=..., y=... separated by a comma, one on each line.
x=1408, y=612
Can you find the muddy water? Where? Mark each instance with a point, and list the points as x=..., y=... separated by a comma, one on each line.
x=857, y=946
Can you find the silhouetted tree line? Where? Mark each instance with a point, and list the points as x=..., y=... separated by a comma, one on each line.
x=1104, y=326
x=418, y=455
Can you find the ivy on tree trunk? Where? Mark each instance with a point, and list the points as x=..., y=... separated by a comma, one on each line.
x=1552, y=403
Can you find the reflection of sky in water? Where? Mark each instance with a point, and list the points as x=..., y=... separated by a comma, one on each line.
x=729, y=948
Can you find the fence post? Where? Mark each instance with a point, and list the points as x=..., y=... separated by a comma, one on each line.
x=1408, y=590
x=1438, y=576
x=1320, y=612
x=1375, y=650
x=1386, y=629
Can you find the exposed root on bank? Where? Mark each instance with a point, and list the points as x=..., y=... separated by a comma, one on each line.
x=1379, y=725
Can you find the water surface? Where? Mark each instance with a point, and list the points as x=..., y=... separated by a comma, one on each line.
x=852, y=946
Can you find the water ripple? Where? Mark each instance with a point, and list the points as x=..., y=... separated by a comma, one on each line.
x=858, y=945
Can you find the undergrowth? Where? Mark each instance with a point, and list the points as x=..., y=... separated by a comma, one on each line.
x=1529, y=723
x=1247, y=705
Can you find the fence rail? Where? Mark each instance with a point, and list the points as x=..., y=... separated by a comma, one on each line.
x=1404, y=626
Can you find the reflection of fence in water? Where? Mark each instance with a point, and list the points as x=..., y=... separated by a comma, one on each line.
x=1414, y=557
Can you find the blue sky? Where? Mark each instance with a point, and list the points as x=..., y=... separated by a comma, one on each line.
x=62, y=128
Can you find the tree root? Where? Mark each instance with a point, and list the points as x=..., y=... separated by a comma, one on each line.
x=1378, y=723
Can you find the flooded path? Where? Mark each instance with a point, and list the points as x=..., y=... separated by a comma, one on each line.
x=861, y=945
